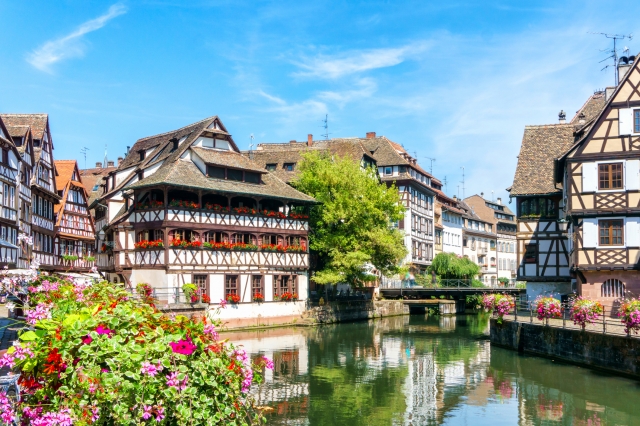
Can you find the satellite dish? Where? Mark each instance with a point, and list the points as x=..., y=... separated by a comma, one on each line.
x=624, y=59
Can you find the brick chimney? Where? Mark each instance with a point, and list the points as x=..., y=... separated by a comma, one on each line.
x=98, y=165
x=292, y=142
x=309, y=139
x=110, y=164
x=120, y=160
x=371, y=135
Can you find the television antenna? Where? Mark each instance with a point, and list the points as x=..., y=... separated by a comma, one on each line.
x=104, y=161
x=614, y=52
x=431, y=160
x=462, y=182
x=444, y=182
x=326, y=127
x=83, y=151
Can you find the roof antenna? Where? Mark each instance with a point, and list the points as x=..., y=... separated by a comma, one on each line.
x=326, y=126
x=431, y=166
x=614, y=52
x=104, y=162
x=444, y=181
x=462, y=181
x=84, y=152
x=251, y=147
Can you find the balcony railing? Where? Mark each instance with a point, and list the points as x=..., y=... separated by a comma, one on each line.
x=80, y=263
x=483, y=250
x=105, y=261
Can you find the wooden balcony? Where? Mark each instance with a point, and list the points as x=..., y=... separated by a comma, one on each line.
x=74, y=264
x=45, y=259
x=77, y=232
x=208, y=217
x=219, y=259
x=105, y=261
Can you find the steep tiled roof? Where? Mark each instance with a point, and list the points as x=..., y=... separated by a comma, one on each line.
x=64, y=179
x=37, y=122
x=541, y=145
x=186, y=174
x=227, y=158
x=91, y=177
x=591, y=108
x=18, y=131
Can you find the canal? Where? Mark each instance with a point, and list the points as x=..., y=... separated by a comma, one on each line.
x=414, y=370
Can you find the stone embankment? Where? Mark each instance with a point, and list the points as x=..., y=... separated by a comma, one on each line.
x=610, y=352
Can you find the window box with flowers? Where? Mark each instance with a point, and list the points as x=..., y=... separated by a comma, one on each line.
x=244, y=210
x=216, y=208
x=287, y=297
x=146, y=244
x=271, y=213
x=294, y=248
x=149, y=204
x=230, y=246
x=177, y=243
x=184, y=204
x=233, y=298
x=258, y=297
x=298, y=216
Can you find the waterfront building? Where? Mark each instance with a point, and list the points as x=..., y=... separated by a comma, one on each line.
x=600, y=179
x=504, y=226
x=186, y=206
x=75, y=234
x=448, y=219
x=479, y=244
x=93, y=179
x=11, y=165
x=543, y=249
x=395, y=166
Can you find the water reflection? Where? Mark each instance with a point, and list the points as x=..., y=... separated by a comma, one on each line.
x=426, y=371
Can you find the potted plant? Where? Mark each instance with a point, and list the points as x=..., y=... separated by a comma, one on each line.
x=144, y=289
x=258, y=297
x=585, y=311
x=233, y=298
x=548, y=307
x=189, y=290
x=630, y=313
x=498, y=304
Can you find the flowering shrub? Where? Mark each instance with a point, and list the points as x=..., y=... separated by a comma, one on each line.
x=148, y=244
x=233, y=298
x=216, y=207
x=176, y=242
x=630, y=313
x=258, y=297
x=190, y=290
x=585, y=311
x=499, y=305
x=548, y=307
x=149, y=204
x=98, y=356
x=184, y=204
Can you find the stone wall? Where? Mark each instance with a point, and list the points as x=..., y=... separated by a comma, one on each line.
x=344, y=312
x=619, y=354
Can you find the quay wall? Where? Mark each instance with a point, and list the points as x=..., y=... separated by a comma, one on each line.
x=613, y=353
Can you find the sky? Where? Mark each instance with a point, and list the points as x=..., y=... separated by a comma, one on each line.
x=452, y=81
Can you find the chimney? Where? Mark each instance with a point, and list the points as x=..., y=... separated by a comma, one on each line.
x=482, y=195
x=110, y=164
x=499, y=200
x=120, y=160
x=562, y=117
x=128, y=148
x=455, y=197
x=371, y=135
x=292, y=142
x=581, y=118
x=624, y=65
x=98, y=165
x=309, y=139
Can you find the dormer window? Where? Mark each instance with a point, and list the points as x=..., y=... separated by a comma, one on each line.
x=141, y=153
x=289, y=166
x=233, y=174
x=175, y=142
x=272, y=167
x=252, y=177
x=36, y=143
x=216, y=172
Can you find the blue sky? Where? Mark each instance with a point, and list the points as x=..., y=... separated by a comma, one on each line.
x=455, y=81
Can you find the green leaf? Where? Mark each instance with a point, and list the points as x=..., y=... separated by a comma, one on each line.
x=70, y=320
x=28, y=336
x=135, y=357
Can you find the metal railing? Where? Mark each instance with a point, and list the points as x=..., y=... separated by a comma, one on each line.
x=390, y=283
x=525, y=311
x=173, y=296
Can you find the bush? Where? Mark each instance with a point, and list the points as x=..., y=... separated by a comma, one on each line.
x=477, y=284
x=474, y=300
x=548, y=307
x=630, y=313
x=585, y=311
x=97, y=355
x=499, y=305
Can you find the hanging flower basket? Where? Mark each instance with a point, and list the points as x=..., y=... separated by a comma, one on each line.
x=548, y=307
x=585, y=311
x=630, y=313
x=499, y=305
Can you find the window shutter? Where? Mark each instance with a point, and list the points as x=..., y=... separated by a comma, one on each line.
x=589, y=177
x=632, y=175
x=632, y=226
x=625, y=121
x=590, y=233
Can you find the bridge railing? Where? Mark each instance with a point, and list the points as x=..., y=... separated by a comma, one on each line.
x=394, y=283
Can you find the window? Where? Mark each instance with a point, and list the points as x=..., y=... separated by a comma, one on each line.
x=201, y=282
x=611, y=232
x=243, y=238
x=231, y=285
x=233, y=174
x=610, y=176
x=257, y=286
x=531, y=253
x=289, y=166
x=272, y=167
x=538, y=207
x=636, y=121
x=284, y=284
x=388, y=170
x=252, y=177
x=141, y=153
x=216, y=237
x=612, y=288
x=271, y=239
x=216, y=172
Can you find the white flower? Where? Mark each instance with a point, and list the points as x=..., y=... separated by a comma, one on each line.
x=10, y=306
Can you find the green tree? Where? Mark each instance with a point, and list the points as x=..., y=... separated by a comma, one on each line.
x=352, y=224
x=452, y=266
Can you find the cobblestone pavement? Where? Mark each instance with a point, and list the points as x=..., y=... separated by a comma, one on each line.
x=611, y=326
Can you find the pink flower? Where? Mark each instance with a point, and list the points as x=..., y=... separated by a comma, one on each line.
x=223, y=303
x=150, y=369
x=87, y=339
x=210, y=329
x=184, y=347
x=159, y=413
x=268, y=363
x=146, y=415
x=103, y=330
x=174, y=382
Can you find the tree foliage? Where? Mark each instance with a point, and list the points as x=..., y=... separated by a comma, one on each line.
x=351, y=225
x=451, y=266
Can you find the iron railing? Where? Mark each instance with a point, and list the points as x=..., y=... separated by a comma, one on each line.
x=391, y=283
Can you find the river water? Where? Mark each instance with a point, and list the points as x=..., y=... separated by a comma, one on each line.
x=414, y=370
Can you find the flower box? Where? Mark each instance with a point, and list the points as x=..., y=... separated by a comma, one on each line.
x=153, y=204
x=176, y=243
x=258, y=297
x=184, y=204
x=233, y=298
x=216, y=208
x=146, y=244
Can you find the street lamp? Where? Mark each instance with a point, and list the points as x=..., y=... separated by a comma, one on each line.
x=563, y=224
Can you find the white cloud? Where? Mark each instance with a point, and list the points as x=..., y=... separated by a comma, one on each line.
x=352, y=62
x=70, y=45
x=272, y=98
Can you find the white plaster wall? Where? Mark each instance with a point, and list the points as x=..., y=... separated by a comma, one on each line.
x=216, y=287
x=258, y=310
x=151, y=170
x=122, y=175
x=156, y=278
x=268, y=287
x=114, y=208
x=553, y=289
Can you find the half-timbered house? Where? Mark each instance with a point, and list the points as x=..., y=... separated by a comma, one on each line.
x=600, y=177
x=10, y=165
x=43, y=187
x=479, y=244
x=187, y=207
x=395, y=167
x=75, y=236
x=543, y=249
